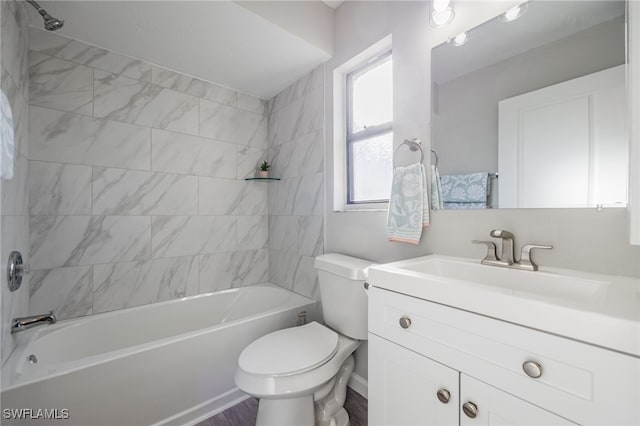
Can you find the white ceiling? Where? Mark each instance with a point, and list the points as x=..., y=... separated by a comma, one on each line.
x=333, y=3
x=494, y=41
x=218, y=41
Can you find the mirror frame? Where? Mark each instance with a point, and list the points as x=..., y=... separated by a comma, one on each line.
x=633, y=79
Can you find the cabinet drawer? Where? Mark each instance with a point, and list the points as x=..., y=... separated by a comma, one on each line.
x=580, y=382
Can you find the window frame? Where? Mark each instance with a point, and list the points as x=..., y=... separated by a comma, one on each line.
x=366, y=133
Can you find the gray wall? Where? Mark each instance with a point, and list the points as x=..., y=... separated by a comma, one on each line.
x=466, y=112
x=14, y=213
x=296, y=203
x=583, y=239
x=137, y=190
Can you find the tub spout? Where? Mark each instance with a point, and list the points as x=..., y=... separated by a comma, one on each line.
x=25, y=323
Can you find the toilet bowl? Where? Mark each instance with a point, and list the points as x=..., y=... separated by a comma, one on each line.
x=300, y=374
x=307, y=360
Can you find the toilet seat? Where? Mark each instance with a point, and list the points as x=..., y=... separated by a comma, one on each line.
x=298, y=384
x=290, y=351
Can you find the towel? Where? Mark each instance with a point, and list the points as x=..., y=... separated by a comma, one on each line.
x=6, y=138
x=465, y=191
x=436, y=189
x=462, y=206
x=408, y=204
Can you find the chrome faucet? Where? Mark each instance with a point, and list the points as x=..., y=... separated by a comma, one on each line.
x=507, y=257
x=25, y=323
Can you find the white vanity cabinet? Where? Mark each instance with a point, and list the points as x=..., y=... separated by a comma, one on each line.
x=513, y=375
x=406, y=388
x=495, y=407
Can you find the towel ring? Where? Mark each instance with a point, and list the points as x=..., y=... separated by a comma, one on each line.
x=435, y=154
x=414, y=145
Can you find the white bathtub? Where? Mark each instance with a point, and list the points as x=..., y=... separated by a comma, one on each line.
x=166, y=363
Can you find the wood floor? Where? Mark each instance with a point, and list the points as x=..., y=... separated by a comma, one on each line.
x=244, y=414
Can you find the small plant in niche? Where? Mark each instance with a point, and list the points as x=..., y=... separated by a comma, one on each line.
x=263, y=169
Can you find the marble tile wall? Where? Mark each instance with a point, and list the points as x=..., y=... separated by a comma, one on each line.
x=137, y=190
x=14, y=201
x=296, y=203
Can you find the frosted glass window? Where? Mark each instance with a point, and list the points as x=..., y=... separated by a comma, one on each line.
x=373, y=96
x=369, y=131
x=372, y=169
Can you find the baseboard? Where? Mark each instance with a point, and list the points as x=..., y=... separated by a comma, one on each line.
x=220, y=403
x=359, y=384
x=207, y=409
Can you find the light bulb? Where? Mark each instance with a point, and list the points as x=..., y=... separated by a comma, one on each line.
x=460, y=39
x=440, y=19
x=440, y=5
x=514, y=13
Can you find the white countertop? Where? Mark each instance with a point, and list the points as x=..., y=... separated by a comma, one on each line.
x=607, y=314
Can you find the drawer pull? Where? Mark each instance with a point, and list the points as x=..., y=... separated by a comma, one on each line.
x=443, y=395
x=532, y=369
x=470, y=409
x=405, y=322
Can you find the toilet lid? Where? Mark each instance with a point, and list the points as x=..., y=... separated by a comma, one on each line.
x=289, y=351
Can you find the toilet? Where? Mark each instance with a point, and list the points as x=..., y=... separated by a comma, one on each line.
x=300, y=374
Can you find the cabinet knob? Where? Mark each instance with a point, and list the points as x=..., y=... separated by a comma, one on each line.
x=532, y=369
x=405, y=322
x=470, y=409
x=443, y=395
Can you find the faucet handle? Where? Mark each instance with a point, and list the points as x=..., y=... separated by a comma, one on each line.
x=491, y=249
x=23, y=269
x=525, y=256
x=501, y=233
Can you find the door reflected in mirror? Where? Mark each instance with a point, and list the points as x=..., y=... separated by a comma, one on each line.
x=530, y=110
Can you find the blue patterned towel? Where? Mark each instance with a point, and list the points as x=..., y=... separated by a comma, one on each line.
x=465, y=191
x=436, y=189
x=408, y=204
x=6, y=138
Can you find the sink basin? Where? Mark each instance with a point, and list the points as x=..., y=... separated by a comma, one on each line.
x=503, y=279
x=599, y=309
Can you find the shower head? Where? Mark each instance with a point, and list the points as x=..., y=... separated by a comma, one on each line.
x=50, y=23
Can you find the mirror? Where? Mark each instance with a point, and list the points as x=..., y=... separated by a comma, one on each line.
x=529, y=109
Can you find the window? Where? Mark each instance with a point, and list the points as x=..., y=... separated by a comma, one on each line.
x=369, y=131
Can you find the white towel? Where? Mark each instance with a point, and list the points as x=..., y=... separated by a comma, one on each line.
x=6, y=138
x=436, y=189
x=408, y=204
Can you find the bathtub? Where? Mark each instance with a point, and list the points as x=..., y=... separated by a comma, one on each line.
x=168, y=363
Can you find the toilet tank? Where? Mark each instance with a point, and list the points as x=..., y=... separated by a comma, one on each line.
x=342, y=293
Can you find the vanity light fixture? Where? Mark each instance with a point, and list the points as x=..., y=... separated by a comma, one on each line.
x=440, y=5
x=442, y=13
x=460, y=39
x=514, y=13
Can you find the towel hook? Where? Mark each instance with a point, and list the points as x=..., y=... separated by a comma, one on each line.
x=414, y=145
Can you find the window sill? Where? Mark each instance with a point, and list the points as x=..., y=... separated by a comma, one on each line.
x=382, y=207
x=360, y=211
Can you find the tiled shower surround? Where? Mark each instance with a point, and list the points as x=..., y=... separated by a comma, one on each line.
x=137, y=190
x=14, y=210
x=296, y=203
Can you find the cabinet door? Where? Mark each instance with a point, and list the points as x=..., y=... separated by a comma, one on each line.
x=495, y=407
x=403, y=387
